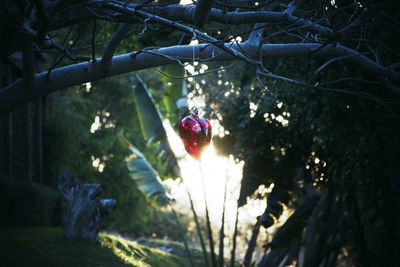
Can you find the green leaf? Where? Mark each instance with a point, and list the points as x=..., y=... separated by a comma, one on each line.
x=294, y=225
x=149, y=117
x=144, y=175
x=175, y=98
x=152, y=127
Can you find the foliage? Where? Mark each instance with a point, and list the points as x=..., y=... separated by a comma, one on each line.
x=98, y=157
x=26, y=204
x=198, y=230
x=175, y=99
x=73, y=142
x=308, y=141
x=152, y=127
x=294, y=226
x=145, y=177
x=164, y=225
x=47, y=247
x=78, y=32
x=335, y=132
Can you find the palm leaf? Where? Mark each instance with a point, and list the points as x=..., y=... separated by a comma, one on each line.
x=152, y=127
x=144, y=175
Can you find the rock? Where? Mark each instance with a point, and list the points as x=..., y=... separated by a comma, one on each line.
x=82, y=207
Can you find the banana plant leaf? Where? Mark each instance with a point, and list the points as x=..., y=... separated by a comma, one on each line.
x=294, y=226
x=149, y=117
x=175, y=99
x=152, y=127
x=144, y=175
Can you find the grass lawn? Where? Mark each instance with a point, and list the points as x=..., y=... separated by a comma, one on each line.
x=47, y=247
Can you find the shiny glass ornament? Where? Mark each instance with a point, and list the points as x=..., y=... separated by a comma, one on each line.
x=195, y=133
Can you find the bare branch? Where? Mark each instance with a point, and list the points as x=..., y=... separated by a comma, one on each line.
x=255, y=37
x=28, y=64
x=315, y=73
x=113, y=44
x=258, y=73
x=201, y=13
x=13, y=95
x=94, y=40
x=183, y=28
x=350, y=79
x=185, y=14
x=28, y=60
x=362, y=94
x=293, y=6
x=194, y=75
x=50, y=43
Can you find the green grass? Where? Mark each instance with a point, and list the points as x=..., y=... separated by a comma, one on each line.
x=47, y=247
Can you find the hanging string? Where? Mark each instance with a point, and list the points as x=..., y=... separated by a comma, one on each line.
x=193, y=56
x=195, y=107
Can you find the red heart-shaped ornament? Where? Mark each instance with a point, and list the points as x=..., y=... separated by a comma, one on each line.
x=195, y=134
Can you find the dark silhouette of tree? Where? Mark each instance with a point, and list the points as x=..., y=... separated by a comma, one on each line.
x=359, y=32
x=312, y=107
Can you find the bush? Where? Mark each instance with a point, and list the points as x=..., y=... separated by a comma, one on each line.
x=28, y=204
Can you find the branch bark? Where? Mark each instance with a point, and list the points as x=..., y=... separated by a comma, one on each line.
x=113, y=44
x=15, y=94
x=186, y=15
x=201, y=13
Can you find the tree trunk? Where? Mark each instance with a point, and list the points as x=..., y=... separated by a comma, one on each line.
x=82, y=207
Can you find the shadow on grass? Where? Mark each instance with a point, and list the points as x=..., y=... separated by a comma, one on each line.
x=48, y=247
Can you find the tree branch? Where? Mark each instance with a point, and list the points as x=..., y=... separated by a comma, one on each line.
x=15, y=95
x=94, y=40
x=234, y=52
x=186, y=14
x=113, y=44
x=28, y=60
x=28, y=64
x=201, y=13
x=255, y=37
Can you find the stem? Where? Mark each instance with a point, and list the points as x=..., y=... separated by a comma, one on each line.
x=183, y=236
x=94, y=41
x=234, y=238
x=221, y=232
x=252, y=243
x=209, y=230
x=196, y=220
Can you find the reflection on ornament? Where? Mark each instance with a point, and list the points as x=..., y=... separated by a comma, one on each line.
x=195, y=133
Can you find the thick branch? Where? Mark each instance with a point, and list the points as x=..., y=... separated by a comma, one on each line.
x=186, y=14
x=113, y=44
x=234, y=52
x=28, y=59
x=28, y=64
x=202, y=12
x=255, y=37
x=15, y=95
